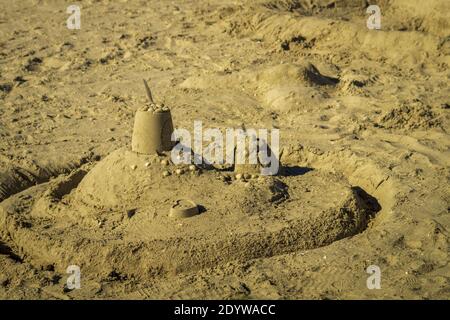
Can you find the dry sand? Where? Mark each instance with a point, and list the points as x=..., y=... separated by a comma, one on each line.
x=364, y=121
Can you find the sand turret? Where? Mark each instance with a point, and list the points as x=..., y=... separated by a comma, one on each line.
x=152, y=127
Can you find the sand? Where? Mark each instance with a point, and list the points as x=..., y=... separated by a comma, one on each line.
x=363, y=119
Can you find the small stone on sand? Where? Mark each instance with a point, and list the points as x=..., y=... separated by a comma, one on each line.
x=166, y=173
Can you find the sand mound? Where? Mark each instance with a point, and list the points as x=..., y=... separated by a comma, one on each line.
x=285, y=87
x=116, y=217
x=410, y=116
x=125, y=178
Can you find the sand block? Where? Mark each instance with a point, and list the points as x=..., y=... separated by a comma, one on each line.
x=152, y=132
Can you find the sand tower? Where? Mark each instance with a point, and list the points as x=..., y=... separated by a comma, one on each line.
x=152, y=128
x=248, y=157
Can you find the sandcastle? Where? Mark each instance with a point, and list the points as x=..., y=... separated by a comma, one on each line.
x=152, y=128
x=137, y=213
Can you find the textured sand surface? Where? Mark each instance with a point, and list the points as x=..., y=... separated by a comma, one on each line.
x=364, y=121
